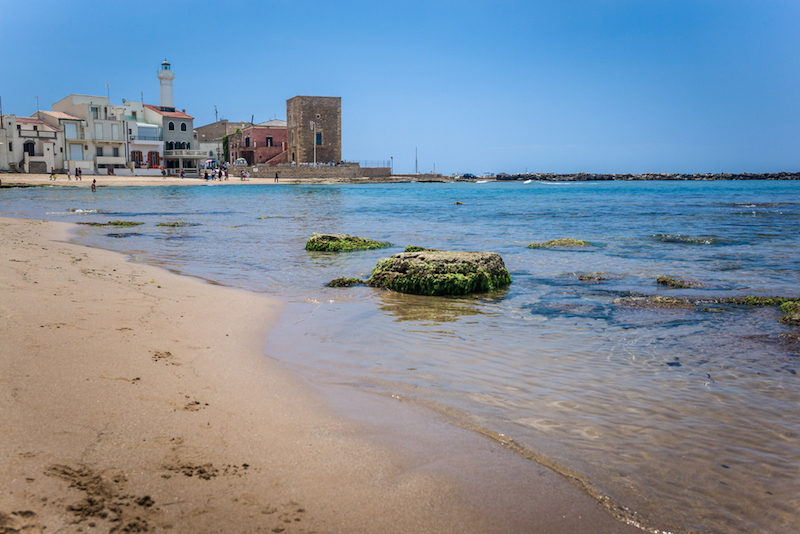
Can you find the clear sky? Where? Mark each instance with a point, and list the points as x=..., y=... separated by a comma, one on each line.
x=475, y=86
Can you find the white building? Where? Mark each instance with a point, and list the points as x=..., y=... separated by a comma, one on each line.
x=100, y=132
x=38, y=147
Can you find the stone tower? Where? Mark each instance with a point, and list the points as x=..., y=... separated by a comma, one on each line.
x=166, y=76
x=314, y=127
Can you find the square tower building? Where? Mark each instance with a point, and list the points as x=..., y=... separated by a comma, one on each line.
x=314, y=122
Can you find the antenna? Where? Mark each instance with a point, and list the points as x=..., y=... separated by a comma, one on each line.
x=108, y=88
x=216, y=118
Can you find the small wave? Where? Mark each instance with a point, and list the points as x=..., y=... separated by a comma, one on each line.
x=82, y=210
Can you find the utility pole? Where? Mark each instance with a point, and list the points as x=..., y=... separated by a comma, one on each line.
x=216, y=119
x=416, y=162
x=37, y=107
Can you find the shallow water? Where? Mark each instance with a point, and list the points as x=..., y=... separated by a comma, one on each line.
x=690, y=418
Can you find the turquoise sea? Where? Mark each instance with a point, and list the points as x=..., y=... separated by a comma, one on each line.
x=689, y=419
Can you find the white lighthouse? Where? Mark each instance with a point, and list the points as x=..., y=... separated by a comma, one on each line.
x=166, y=76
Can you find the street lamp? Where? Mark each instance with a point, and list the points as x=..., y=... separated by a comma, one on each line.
x=391, y=169
x=314, y=140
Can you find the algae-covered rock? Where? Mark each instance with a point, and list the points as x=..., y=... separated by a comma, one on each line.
x=430, y=272
x=112, y=223
x=413, y=248
x=792, y=312
x=565, y=242
x=342, y=243
x=343, y=281
x=177, y=224
x=657, y=301
x=668, y=281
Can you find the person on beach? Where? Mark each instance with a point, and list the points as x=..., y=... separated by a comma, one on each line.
x=94, y=187
x=69, y=176
x=226, y=173
x=276, y=177
x=205, y=175
x=53, y=174
x=78, y=174
x=181, y=173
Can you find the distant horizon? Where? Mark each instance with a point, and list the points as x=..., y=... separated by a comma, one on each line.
x=619, y=86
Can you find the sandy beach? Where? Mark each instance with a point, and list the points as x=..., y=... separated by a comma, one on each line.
x=137, y=400
x=62, y=180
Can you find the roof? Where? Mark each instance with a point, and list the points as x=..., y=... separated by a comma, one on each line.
x=60, y=115
x=274, y=123
x=38, y=122
x=174, y=114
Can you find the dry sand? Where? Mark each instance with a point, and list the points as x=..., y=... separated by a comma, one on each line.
x=105, y=180
x=136, y=400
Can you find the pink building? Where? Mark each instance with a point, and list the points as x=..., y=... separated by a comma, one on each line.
x=264, y=143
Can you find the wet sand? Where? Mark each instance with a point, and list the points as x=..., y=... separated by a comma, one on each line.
x=137, y=400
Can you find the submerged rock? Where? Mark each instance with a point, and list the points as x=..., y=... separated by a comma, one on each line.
x=112, y=223
x=668, y=281
x=560, y=243
x=430, y=272
x=413, y=248
x=177, y=224
x=657, y=301
x=342, y=243
x=343, y=281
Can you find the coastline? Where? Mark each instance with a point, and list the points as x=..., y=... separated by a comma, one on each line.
x=43, y=180
x=134, y=397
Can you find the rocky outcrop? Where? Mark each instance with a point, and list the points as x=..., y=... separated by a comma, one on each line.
x=342, y=243
x=429, y=272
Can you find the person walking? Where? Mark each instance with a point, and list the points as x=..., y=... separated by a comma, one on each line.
x=94, y=187
x=276, y=177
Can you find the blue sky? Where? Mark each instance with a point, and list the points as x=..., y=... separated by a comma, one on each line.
x=557, y=86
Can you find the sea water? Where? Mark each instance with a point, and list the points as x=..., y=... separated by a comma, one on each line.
x=689, y=420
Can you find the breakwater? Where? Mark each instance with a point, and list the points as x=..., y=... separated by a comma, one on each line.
x=587, y=177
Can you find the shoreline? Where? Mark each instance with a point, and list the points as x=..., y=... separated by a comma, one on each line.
x=11, y=180
x=135, y=396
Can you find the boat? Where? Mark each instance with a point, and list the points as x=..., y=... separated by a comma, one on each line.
x=527, y=181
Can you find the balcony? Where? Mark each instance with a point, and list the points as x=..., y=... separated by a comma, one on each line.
x=146, y=138
x=190, y=154
x=109, y=160
x=36, y=134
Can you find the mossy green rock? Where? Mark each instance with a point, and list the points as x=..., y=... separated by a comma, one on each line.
x=342, y=243
x=431, y=272
x=343, y=281
x=668, y=281
x=566, y=242
x=414, y=248
x=112, y=223
x=657, y=302
x=791, y=311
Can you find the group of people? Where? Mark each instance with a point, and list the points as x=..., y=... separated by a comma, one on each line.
x=78, y=174
x=217, y=174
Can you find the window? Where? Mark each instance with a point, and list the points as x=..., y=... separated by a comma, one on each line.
x=172, y=127
x=10, y=146
x=268, y=141
x=170, y=146
x=116, y=152
x=71, y=130
x=94, y=112
x=35, y=128
x=246, y=141
x=188, y=146
x=134, y=114
x=183, y=126
x=100, y=151
x=319, y=138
